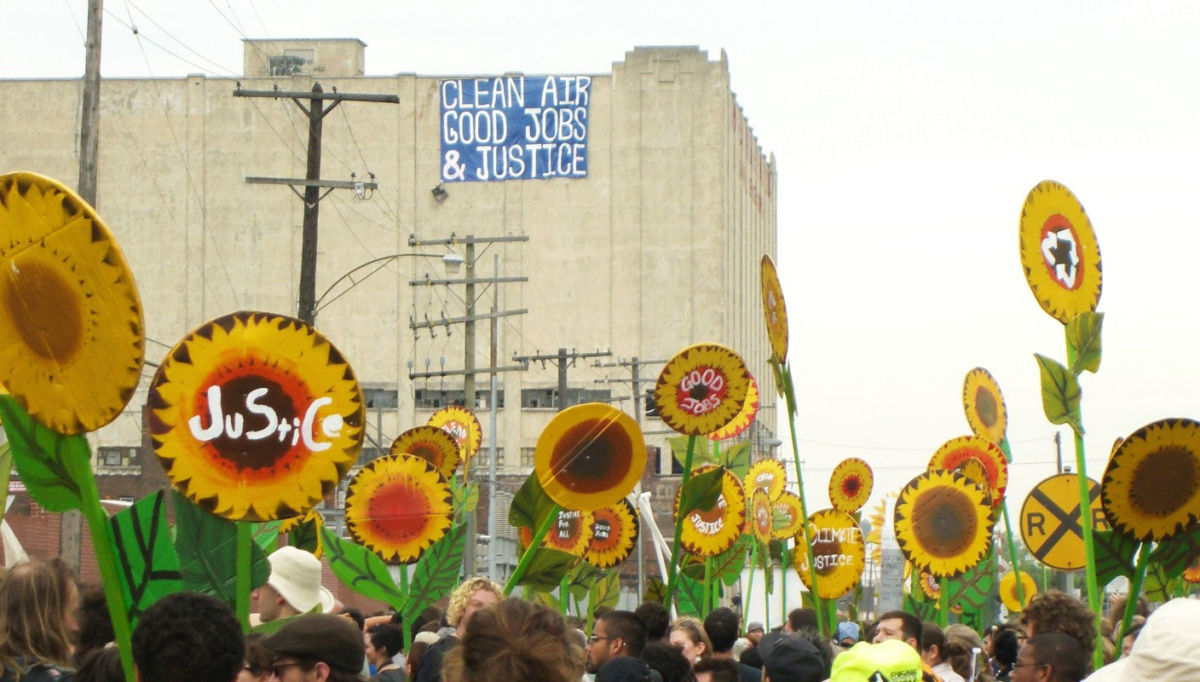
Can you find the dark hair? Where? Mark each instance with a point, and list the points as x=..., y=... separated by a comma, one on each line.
x=1005, y=644
x=335, y=675
x=257, y=656
x=95, y=627
x=802, y=618
x=668, y=661
x=412, y=662
x=813, y=636
x=721, y=624
x=386, y=637
x=188, y=637
x=356, y=616
x=1061, y=652
x=515, y=640
x=719, y=669
x=1056, y=611
x=101, y=665
x=627, y=626
x=656, y=619
x=910, y=625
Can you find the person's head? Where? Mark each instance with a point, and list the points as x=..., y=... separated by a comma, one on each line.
x=412, y=662
x=900, y=625
x=615, y=634
x=293, y=586
x=1130, y=637
x=1055, y=611
x=687, y=634
x=820, y=643
x=382, y=643
x=515, y=640
x=354, y=615
x=317, y=647
x=1050, y=657
x=847, y=633
x=656, y=618
x=964, y=646
x=257, y=667
x=188, y=637
x=1006, y=642
x=668, y=661
x=1165, y=650
x=754, y=632
x=39, y=602
x=716, y=670
x=788, y=658
x=100, y=665
x=95, y=626
x=933, y=643
x=800, y=618
x=721, y=625
x=471, y=596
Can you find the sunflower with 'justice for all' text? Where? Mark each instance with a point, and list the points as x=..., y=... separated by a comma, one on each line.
x=1059, y=252
x=943, y=523
x=1151, y=488
x=571, y=532
x=397, y=506
x=701, y=389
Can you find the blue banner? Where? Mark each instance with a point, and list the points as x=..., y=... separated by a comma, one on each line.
x=514, y=128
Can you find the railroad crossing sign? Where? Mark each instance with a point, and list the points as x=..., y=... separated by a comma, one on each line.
x=1050, y=521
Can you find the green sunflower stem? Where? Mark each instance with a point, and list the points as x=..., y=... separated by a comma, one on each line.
x=1012, y=554
x=767, y=595
x=943, y=603
x=673, y=572
x=242, y=558
x=527, y=557
x=563, y=596
x=786, y=373
x=405, y=631
x=707, y=585
x=750, y=582
x=1085, y=517
x=1131, y=597
x=102, y=544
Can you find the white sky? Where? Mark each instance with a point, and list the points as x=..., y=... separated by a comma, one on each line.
x=907, y=135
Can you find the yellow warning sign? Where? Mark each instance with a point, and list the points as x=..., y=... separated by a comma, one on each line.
x=1050, y=521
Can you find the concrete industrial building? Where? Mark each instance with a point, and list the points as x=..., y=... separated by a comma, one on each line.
x=657, y=247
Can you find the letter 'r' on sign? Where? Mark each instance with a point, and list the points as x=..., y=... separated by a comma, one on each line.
x=1050, y=521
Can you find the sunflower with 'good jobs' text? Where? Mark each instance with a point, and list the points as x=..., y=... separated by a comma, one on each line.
x=614, y=535
x=589, y=456
x=744, y=418
x=1059, y=252
x=943, y=523
x=1151, y=488
x=397, y=506
x=701, y=389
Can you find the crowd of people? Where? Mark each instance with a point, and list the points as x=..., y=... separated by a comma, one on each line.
x=52, y=630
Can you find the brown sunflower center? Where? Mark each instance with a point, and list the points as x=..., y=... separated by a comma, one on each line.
x=985, y=407
x=591, y=456
x=399, y=511
x=243, y=452
x=1164, y=480
x=944, y=522
x=45, y=309
x=427, y=451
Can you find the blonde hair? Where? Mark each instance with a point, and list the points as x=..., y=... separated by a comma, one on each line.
x=462, y=595
x=34, y=598
x=695, y=632
x=516, y=640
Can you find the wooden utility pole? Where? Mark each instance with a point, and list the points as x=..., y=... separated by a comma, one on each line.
x=562, y=359
x=89, y=126
x=312, y=183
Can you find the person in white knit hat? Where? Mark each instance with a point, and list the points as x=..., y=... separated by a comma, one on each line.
x=1168, y=649
x=294, y=586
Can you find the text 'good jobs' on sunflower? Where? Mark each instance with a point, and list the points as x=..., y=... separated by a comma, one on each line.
x=571, y=532
x=1059, y=253
x=589, y=456
x=839, y=553
x=983, y=404
x=463, y=426
x=701, y=389
x=708, y=532
x=767, y=475
x=966, y=454
x=774, y=310
x=614, y=535
x=430, y=443
x=397, y=506
x=70, y=314
x=745, y=416
x=1151, y=488
x=1008, y=590
x=255, y=416
x=850, y=485
x=943, y=523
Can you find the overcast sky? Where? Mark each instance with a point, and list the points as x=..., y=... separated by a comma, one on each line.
x=907, y=135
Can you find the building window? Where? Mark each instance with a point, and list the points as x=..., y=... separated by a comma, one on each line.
x=381, y=398
x=651, y=407
x=547, y=398
x=527, y=458
x=480, y=462
x=367, y=454
x=115, y=457
x=431, y=399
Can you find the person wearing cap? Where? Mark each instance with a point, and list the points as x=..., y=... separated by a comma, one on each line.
x=317, y=647
x=293, y=587
x=889, y=660
x=1167, y=650
x=787, y=658
x=847, y=634
x=752, y=656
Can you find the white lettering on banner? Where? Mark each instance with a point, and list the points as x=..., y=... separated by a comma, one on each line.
x=232, y=425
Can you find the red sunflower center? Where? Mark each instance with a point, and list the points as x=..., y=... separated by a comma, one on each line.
x=701, y=390
x=399, y=511
x=851, y=485
x=1061, y=252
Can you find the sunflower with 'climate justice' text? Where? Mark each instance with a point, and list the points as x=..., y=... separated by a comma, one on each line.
x=838, y=552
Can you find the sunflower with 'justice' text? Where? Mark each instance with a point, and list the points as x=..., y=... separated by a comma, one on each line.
x=943, y=523
x=788, y=516
x=984, y=405
x=430, y=443
x=462, y=425
x=768, y=476
x=956, y=452
x=838, y=553
x=1151, y=488
x=774, y=310
x=614, y=535
x=571, y=532
x=1059, y=252
x=255, y=416
x=397, y=506
x=70, y=314
x=589, y=456
x=708, y=532
x=701, y=389
x=1008, y=590
x=745, y=416
x=850, y=485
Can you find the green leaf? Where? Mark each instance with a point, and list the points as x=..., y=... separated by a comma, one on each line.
x=207, y=549
x=436, y=572
x=605, y=591
x=266, y=535
x=1114, y=555
x=689, y=597
x=727, y=566
x=924, y=609
x=305, y=535
x=656, y=590
x=700, y=454
x=148, y=567
x=530, y=505
x=466, y=498
x=581, y=578
x=701, y=491
x=6, y=462
x=1176, y=554
x=547, y=568
x=974, y=589
x=1083, y=337
x=692, y=566
x=736, y=458
x=1158, y=587
x=362, y=570
x=272, y=626
x=1060, y=394
x=547, y=599
x=50, y=464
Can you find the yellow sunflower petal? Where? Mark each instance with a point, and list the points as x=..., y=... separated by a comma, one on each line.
x=943, y=523
x=954, y=452
x=1151, y=488
x=430, y=443
x=589, y=456
x=701, y=389
x=288, y=526
x=255, y=416
x=838, y=551
x=850, y=485
x=463, y=426
x=397, y=506
x=931, y=586
x=767, y=475
x=788, y=515
x=1008, y=590
x=712, y=531
x=774, y=310
x=760, y=521
x=1059, y=252
x=745, y=416
x=70, y=315
x=614, y=535
x=984, y=405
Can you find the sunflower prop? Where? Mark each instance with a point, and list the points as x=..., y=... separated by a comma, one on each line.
x=701, y=389
x=1191, y=574
x=744, y=417
x=958, y=453
x=768, y=476
x=708, y=532
x=760, y=520
x=789, y=518
x=943, y=523
x=1059, y=252
x=774, y=310
x=571, y=532
x=850, y=485
x=1014, y=600
x=837, y=549
x=930, y=586
x=397, y=506
x=983, y=404
x=430, y=443
x=463, y=426
x=614, y=535
x=1151, y=488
